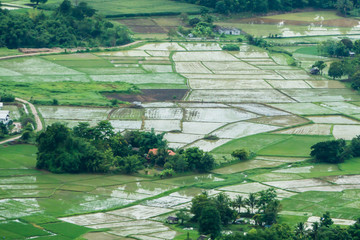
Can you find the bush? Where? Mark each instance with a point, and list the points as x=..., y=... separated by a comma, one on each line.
x=330, y=151
x=167, y=173
x=241, y=154
x=194, y=21
x=211, y=137
x=7, y=97
x=231, y=47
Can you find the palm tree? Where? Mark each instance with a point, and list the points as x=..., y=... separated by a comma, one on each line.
x=238, y=203
x=251, y=202
x=300, y=231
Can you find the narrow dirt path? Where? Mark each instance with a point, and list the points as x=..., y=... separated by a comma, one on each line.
x=39, y=125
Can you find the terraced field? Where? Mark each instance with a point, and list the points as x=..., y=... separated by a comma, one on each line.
x=247, y=99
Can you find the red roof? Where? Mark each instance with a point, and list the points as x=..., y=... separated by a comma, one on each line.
x=154, y=151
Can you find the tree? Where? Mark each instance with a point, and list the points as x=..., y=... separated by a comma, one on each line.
x=344, y=6
x=341, y=50
x=355, y=146
x=355, y=81
x=238, y=203
x=183, y=216
x=129, y=164
x=320, y=65
x=198, y=203
x=348, y=43
x=241, y=154
x=300, y=231
x=325, y=220
x=38, y=1
x=329, y=151
x=357, y=46
x=223, y=203
x=336, y=70
x=251, y=202
x=210, y=222
x=194, y=21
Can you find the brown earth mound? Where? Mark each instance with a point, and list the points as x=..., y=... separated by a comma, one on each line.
x=149, y=95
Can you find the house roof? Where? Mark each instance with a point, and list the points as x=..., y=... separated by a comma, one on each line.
x=4, y=114
x=154, y=151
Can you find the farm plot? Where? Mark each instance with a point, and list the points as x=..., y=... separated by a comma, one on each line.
x=295, y=184
x=182, y=138
x=288, y=84
x=160, y=78
x=74, y=113
x=14, y=111
x=36, y=66
x=7, y=72
x=120, y=125
x=158, y=55
x=233, y=75
x=140, y=212
x=245, y=188
x=94, y=218
x=162, y=125
x=342, y=107
x=312, y=129
x=207, y=145
x=246, y=165
x=69, y=123
x=325, y=84
x=345, y=179
x=127, y=114
x=295, y=146
x=164, y=113
x=322, y=95
x=201, y=46
x=263, y=63
x=162, y=47
x=228, y=84
x=111, y=71
x=200, y=127
x=304, y=108
x=336, y=119
x=131, y=53
x=166, y=202
x=346, y=132
x=230, y=66
x=256, y=95
x=158, y=68
x=191, y=67
x=261, y=109
x=47, y=79
x=221, y=115
x=294, y=74
x=248, y=54
x=242, y=129
x=283, y=121
x=204, y=56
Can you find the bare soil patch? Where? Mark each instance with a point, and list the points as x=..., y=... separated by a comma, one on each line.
x=149, y=95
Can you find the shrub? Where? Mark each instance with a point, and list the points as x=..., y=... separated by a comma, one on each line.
x=231, y=47
x=241, y=154
x=330, y=151
x=167, y=173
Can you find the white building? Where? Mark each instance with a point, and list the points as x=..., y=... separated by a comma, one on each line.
x=4, y=116
x=228, y=30
x=1, y=105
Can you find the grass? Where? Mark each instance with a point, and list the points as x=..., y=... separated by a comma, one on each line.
x=8, y=52
x=311, y=50
x=67, y=93
x=140, y=7
x=295, y=146
x=13, y=230
x=306, y=16
x=66, y=229
x=253, y=143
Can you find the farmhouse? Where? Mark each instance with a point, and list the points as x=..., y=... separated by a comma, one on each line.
x=154, y=152
x=1, y=105
x=228, y=30
x=172, y=220
x=314, y=71
x=4, y=116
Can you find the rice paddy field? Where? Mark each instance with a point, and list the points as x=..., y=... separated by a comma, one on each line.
x=248, y=99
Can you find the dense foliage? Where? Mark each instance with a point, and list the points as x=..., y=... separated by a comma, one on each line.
x=68, y=26
x=336, y=151
x=100, y=149
x=6, y=97
x=206, y=210
x=340, y=48
x=263, y=6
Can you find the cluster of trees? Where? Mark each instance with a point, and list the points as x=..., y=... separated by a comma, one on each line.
x=340, y=48
x=336, y=151
x=100, y=149
x=263, y=6
x=201, y=26
x=68, y=26
x=211, y=213
x=6, y=97
x=347, y=67
x=324, y=229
